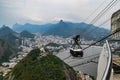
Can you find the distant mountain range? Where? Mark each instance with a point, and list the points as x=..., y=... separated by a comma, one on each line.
x=64, y=29
x=33, y=28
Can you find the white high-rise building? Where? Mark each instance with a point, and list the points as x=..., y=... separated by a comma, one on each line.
x=115, y=24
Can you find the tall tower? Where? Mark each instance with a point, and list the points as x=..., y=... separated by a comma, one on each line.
x=115, y=24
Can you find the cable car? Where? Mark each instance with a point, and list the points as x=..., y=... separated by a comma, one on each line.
x=76, y=49
x=76, y=52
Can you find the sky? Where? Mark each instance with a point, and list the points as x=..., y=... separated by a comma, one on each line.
x=51, y=11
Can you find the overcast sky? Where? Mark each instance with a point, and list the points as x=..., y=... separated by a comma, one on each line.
x=47, y=11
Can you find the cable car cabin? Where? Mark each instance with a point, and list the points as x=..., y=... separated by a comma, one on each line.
x=76, y=52
x=76, y=49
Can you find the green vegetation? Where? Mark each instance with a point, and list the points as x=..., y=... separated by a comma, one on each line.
x=53, y=44
x=8, y=35
x=2, y=42
x=9, y=41
x=1, y=77
x=26, y=34
x=7, y=50
x=32, y=67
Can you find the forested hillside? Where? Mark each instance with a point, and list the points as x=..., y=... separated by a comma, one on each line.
x=35, y=67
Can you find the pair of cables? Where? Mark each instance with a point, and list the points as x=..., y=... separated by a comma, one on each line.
x=107, y=8
x=99, y=15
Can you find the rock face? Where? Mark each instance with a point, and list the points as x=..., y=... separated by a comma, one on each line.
x=3, y=47
x=6, y=51
x=35, y=67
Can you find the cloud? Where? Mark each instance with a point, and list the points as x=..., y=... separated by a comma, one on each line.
x=44, y=11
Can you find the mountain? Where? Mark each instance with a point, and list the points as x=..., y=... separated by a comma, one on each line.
x=9, y=42
x=60, y=29
x=87, y=31
x=35, y=67
x=26, y=34
x=65, y=29
x=6, y=51
x=33, y=28
x=5, y=30
x=8, y=35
